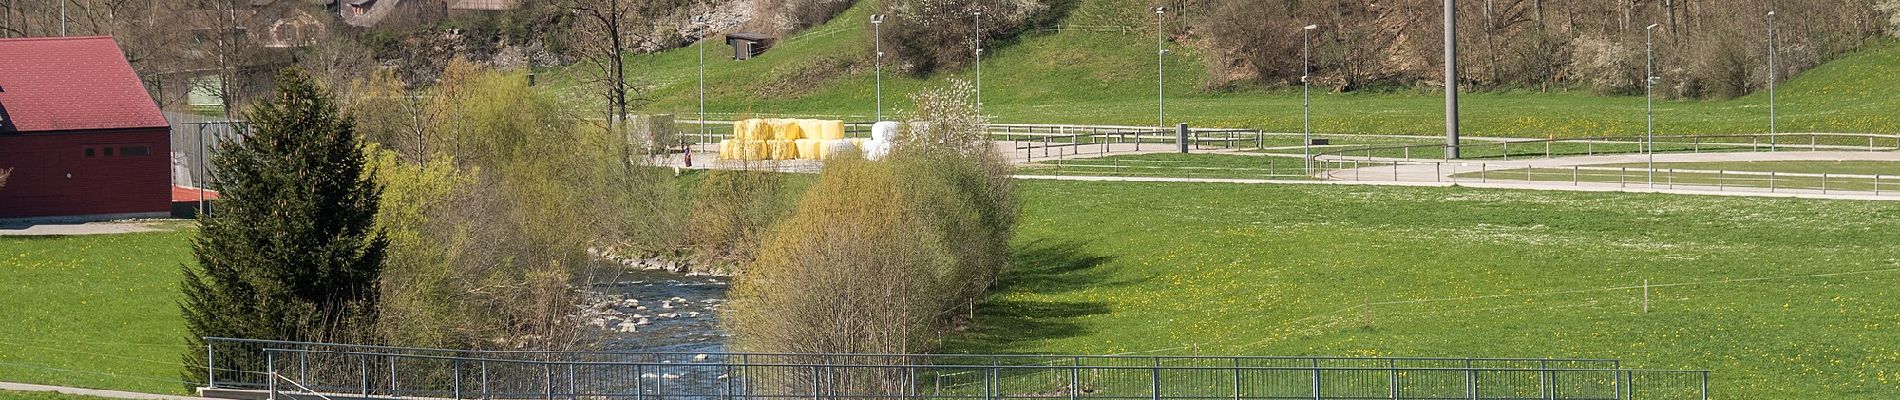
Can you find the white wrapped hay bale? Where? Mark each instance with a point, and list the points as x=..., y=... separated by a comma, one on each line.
x=876, y=149
x=884, y=130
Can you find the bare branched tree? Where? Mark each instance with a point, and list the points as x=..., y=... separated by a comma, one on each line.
x=605, y=32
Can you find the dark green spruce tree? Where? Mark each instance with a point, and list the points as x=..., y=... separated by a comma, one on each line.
x=290, y=252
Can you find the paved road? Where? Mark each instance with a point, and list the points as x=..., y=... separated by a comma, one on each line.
x=27, y=387
x=1445, y=173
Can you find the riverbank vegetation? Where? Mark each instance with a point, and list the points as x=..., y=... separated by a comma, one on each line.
x=495, y=195
x=885, y=256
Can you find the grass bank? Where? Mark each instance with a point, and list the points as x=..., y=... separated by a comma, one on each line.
x=1109, y=77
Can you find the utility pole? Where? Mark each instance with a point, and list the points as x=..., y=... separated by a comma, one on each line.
x=1451, y=81
x=62, y=17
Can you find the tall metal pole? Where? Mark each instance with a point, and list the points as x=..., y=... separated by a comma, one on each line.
x=877, y=25
x=702, y=94
x=1451, y=81
x=1306, y=104
x=1161, y=107
x=978, y=44
x=1649, y=96
x=1771, y=82
x=62, y=17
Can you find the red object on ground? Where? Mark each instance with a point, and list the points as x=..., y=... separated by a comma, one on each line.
x=79, y=131
x=182, y=194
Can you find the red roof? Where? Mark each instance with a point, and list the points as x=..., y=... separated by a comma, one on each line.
x=71, y=83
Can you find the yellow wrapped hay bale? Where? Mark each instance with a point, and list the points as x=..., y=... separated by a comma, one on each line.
x=785, y=129
x=725, y=150
x=810, y=149
x=830, y=130
x=782, y=149
x=751, y=129
x=810, y=128
x=754, y=150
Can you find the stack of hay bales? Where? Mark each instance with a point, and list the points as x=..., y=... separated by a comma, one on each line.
x=783, y=139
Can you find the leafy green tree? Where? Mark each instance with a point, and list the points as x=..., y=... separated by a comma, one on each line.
x=291, y=252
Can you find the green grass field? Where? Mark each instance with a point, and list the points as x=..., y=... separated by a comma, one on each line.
x=1742, y=283
x=93, y=311
x=1798, y=167
x=20, y=395
x=1093, y=77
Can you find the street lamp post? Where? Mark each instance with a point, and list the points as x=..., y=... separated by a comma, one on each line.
x=877, y=25
x=978, y=44
x=1306, y=104
x=1451, y=81
x=1649, y=96
x=702, y=96
x=1161, y=51
x=1771, y=82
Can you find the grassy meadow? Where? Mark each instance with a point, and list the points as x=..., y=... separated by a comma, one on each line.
x=1780, y=298
x=23, y=395
x=95, y=311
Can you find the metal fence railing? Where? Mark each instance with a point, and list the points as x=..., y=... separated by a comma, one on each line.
x=1549, y=148
x=393, y=372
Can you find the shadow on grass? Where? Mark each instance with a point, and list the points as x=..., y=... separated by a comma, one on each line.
x=1005, y=325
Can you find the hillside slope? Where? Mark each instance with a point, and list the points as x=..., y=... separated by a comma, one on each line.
x=1106, y=75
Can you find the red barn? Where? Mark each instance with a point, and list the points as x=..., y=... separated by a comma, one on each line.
x=79, y=131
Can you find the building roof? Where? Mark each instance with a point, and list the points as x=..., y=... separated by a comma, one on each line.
x=748, y=36
x=71, y=83
x=484, y=5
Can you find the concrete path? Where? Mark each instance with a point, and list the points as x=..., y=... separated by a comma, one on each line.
x=707, y=156
x=27, y=387
x=1447, y=173
x=1402, y=172
x=1491, y=185
x=58, y=228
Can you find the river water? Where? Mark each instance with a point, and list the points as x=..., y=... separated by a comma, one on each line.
x=658, y=311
